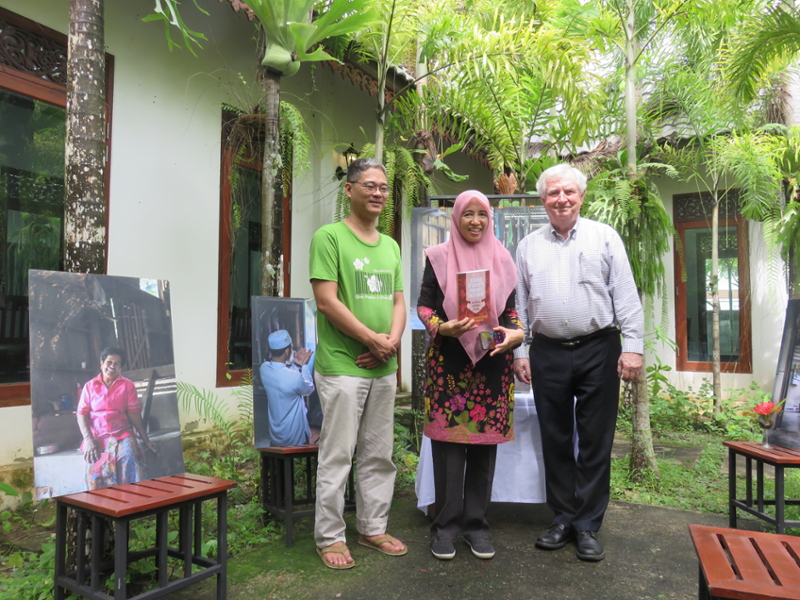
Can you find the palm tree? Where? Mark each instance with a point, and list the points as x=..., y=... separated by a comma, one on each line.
x=765, y=55
x=84, y=206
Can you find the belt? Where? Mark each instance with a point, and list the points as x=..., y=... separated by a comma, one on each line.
x=577, y=341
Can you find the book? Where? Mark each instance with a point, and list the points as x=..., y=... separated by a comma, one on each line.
x=473, y=295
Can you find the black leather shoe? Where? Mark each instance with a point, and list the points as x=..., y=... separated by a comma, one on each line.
x=589, y=547
x=554, y=538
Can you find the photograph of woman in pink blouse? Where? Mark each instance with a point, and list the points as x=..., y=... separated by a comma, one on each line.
x=109, y=419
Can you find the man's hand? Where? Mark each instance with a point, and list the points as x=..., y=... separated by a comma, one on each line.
x=514, y=337
x=381, y=347
x=367, y=361
x=302, y=356
x=522, y=369
x=456, y=329
x=629, y=366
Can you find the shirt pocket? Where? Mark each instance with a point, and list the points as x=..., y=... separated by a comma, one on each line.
x=590, y=267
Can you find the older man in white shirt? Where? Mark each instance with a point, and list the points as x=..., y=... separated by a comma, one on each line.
x=577, y=297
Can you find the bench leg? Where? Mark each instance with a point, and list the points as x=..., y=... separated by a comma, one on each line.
x=61, y=549
x=288, y=498
x=731, y=489
x=702, y=590
x=779, y=499
x=185, y=536
x=222, y=546
x=748, y=478
x=120, y=556
x=80, y=548
x=162, y=543
x=265, y=489
x=98, y=535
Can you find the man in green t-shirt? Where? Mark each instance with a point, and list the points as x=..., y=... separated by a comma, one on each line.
x=361, y=314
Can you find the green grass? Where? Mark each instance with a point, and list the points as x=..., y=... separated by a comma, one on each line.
x=700, y=486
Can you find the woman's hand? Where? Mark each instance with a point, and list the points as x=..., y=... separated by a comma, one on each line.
x=92, y=452
x=456, y=329
x=514, y=337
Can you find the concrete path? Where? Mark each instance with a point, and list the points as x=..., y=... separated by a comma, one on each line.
x=649, y=556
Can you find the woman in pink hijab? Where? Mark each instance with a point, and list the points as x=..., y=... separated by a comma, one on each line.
x=469, y=389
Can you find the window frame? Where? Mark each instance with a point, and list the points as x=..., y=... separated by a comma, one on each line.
x=745, y=362
x=49, y=92
x=225, y=377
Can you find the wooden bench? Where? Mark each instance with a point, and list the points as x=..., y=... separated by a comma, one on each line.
x=278, y=484
x=125, y=503
x=776, y=456
x=746, y=565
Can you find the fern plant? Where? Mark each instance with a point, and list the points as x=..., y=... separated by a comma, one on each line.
x=633, y=207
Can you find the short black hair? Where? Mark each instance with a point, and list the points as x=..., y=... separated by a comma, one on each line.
x=358, y=166
x=109, y=350
x=281, y=351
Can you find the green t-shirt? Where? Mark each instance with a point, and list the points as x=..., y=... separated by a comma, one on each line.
x=368, y=275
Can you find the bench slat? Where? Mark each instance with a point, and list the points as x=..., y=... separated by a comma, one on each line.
x=281, y=450
x=756, y=583
x=133, y=498
x=774, y=454
x=783, y=564
x=715, y=564
x=748, y=562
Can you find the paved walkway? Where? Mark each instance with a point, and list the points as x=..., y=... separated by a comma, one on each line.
x=649, y=556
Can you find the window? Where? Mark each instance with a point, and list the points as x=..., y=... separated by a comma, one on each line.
x=694, y=309
x=33, y=74
x=240, y=242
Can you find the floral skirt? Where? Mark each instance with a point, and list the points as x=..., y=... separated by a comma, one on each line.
x=117, y=464
x=466, y=403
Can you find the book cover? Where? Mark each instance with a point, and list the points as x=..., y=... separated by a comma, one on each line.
x=473, y=295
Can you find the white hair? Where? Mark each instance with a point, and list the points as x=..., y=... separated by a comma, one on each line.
x=561, y=171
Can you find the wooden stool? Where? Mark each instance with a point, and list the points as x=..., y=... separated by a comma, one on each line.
x=746, y=565
x=776, y=456
x=278, y=489
x=124, y=503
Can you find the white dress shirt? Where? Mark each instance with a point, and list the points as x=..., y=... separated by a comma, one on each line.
x=575, y=286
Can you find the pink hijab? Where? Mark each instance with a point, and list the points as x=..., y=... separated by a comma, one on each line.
x=457, y=255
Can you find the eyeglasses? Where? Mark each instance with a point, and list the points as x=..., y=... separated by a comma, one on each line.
x=371, y=188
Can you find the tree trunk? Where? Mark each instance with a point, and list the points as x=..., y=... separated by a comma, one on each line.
x=630, y=89
x=643, y=457
x=380, y=126
x=85, y=156
x=271, y=167
x=643, y=460
x=715, y=353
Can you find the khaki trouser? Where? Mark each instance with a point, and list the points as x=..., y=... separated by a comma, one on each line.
x=357, y=416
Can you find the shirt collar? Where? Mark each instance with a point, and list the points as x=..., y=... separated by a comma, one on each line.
x=572, y=232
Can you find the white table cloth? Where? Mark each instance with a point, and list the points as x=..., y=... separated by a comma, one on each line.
x=519, y=471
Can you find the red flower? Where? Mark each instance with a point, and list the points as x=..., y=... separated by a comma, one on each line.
x=767, y=408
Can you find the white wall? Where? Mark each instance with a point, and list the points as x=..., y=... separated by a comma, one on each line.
x=164, y=196
x=768, y=307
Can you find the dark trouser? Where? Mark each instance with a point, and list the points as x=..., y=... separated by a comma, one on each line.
x=462, y=478
x=577, y=488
